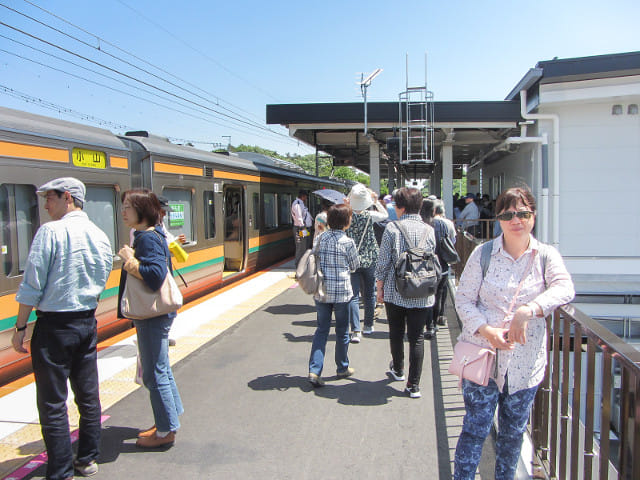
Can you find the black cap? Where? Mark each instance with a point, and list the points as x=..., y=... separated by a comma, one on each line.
x=164, y=203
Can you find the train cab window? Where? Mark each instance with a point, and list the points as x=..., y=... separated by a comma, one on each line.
x=285, y=209
x=178, y=220
x=270, y=211
x=19, y=221
x=100, y=207
x=256, y=210
x=209, y=215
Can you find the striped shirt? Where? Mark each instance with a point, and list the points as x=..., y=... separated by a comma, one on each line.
x=338, y=258
x=392, y=245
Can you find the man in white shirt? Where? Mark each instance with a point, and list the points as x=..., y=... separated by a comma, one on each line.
x=302, y=222
x=468, y=219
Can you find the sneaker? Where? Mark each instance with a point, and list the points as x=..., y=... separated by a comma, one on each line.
x=347, y=373
x=172, y=342
x=429, y=333
x=315, y=380
x=87, y=470
x=413, y=391
x=356, y=337
x=398, y=377
x=442, y=320
x=368, y=330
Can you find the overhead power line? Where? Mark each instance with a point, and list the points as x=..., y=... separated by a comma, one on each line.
x=104, y=41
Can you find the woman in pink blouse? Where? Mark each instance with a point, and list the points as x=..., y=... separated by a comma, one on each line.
x=518, y=337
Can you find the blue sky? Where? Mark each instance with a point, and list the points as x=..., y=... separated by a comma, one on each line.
x=237, y=57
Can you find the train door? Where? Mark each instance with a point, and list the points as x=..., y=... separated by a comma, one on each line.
x=234, y=229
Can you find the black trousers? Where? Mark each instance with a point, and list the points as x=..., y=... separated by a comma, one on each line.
x=441, y=296
x=302, y=243
x=413, y=320
x=63, y=347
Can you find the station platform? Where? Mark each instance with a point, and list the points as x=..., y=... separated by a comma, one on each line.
x=241, y=363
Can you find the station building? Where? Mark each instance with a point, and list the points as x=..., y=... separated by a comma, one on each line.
x=569, y=130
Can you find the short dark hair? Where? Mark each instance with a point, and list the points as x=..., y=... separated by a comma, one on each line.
x=339, y=216
x=513, y=196
x=146, y=205
x=76, y=203
x=408, y=198
x=426, y=211
x=302, y=193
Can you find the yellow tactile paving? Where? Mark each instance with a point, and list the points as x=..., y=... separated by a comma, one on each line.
x=19, y=447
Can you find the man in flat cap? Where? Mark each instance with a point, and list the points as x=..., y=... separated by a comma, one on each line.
x=66, y=271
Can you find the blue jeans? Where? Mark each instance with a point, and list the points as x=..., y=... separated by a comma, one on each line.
x=316, y=359
x=367, y=275
x=513, y=413
x=61, y=349
x=153, y=342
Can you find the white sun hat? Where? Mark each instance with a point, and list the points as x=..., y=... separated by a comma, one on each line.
x=360, y=197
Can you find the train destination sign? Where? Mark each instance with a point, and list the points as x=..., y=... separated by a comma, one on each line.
x=89, y=158
x=176, y=215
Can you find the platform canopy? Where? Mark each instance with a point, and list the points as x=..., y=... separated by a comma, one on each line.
x=471, y=128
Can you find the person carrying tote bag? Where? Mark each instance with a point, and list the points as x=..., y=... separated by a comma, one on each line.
x=504, y=309
x=148, y=262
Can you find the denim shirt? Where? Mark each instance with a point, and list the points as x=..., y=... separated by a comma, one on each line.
x=68, y=265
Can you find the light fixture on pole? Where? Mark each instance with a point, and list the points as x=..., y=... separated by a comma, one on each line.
x=364, y=84
x=228, y=137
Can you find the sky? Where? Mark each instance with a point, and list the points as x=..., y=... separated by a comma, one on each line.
x=207, y=69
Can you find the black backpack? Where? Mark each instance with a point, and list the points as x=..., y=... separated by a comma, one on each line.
x=417, y=269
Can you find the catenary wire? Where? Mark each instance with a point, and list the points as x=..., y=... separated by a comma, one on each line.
x=102, y=40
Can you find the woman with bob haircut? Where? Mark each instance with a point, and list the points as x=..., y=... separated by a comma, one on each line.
x=148, y=259
x=514, y=326
x=408, y=314
x=337, y=257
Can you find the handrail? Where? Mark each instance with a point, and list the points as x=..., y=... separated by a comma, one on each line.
x=585, y=422
x=586, y=415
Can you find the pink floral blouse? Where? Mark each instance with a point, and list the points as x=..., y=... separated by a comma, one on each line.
x=487, y=301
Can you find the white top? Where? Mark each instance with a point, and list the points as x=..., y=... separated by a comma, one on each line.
x=481, y=302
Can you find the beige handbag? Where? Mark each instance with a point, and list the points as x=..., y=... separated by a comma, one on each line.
x=140, y=302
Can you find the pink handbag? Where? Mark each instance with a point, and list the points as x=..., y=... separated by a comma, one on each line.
x=472, y=362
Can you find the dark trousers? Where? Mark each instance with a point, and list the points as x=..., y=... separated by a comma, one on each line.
x=413, y=319
x=302, y=243
x=61, y=349
x=441, y=296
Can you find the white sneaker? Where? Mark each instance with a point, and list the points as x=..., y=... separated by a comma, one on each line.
x=356, y=337
x=368, y=330
x=398, y=377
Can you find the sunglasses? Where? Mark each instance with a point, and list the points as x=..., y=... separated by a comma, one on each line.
x=508, y=216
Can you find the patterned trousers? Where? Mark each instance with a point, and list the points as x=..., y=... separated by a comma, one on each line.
x=513, y=413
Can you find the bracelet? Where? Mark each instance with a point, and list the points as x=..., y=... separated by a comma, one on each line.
x=21, y=329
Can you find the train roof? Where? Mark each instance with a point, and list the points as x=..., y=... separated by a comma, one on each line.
x=162, y=146
x=16, y=121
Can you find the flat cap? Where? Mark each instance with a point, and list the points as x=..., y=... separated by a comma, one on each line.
x=65, y=184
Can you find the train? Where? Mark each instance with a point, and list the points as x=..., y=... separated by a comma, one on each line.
x=233, y=211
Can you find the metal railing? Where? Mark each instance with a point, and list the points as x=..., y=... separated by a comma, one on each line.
x=585, y=422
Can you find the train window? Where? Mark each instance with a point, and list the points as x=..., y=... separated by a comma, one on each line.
x=209, y=215
x=179, y=220
x=100, y=206
x=270, y=211
x=23, y=213
x=285, y=209
x=256, y=211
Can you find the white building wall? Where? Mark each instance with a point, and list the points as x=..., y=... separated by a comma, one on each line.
x=599, y=168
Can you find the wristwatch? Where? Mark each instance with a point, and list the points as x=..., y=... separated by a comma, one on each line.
x=21, y=329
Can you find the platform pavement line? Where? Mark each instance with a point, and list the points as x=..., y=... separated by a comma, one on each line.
x=193, y=328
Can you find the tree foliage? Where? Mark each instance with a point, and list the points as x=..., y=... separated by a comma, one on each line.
x=308, y=163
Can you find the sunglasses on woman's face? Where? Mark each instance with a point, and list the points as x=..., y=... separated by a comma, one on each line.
x=508, y=216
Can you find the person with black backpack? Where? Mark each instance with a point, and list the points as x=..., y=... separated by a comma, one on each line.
x=445, y=240
x=407, y=273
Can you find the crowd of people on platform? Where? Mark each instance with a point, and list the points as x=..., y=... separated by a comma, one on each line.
x=502, y=300
x=504, y=293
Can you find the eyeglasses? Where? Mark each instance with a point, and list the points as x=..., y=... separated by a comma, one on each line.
x=508, y=216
